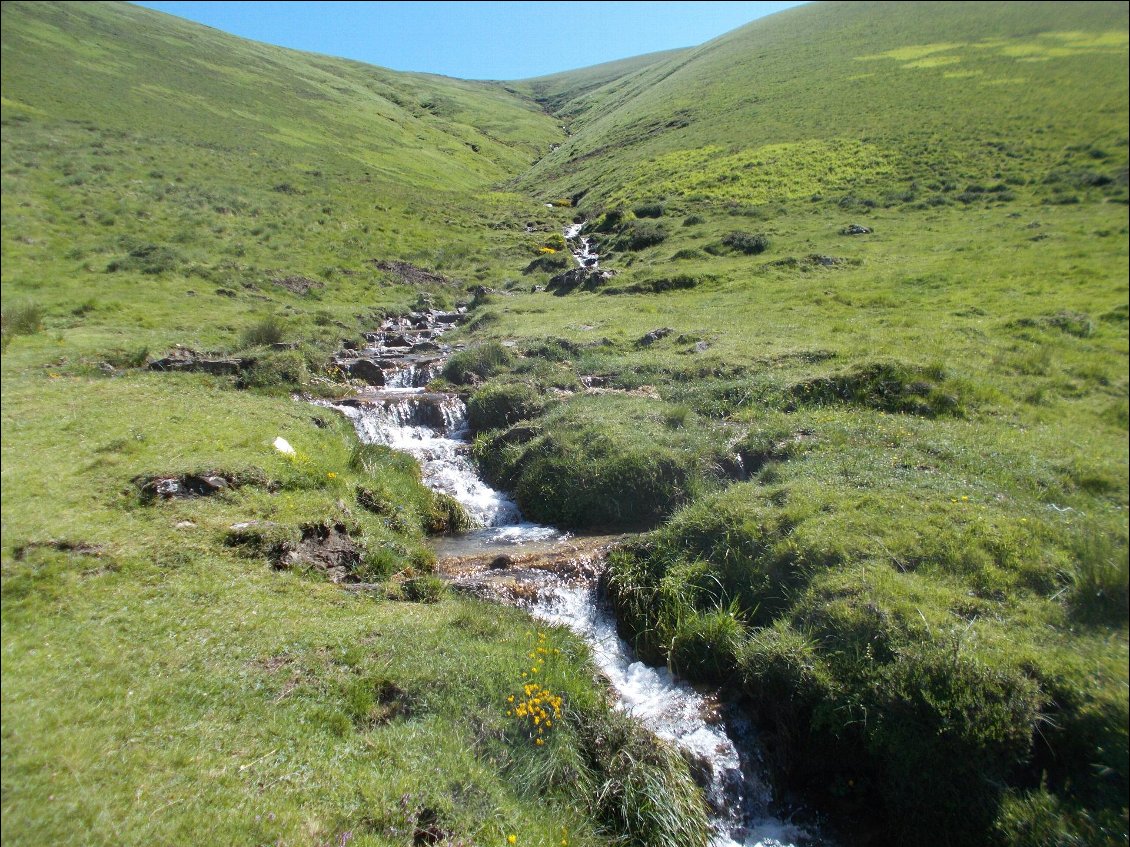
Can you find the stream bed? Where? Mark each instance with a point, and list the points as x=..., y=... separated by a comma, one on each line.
x=554, y=575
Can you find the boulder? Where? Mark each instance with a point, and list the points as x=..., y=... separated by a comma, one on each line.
x=855, y=229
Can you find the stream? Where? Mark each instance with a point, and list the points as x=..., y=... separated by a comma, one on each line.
x=553, y=574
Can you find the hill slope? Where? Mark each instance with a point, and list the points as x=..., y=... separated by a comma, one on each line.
x=859, y=369
x=871, y=95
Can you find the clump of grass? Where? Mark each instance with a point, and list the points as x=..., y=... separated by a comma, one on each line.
x=639, y=235
x=477, y=363
x=889, y=387
x=423, y=588
x=498, y=405
x=21, y=319
x=1100, y=588
x=262, y=333
x=746, y=242
x=649, y=210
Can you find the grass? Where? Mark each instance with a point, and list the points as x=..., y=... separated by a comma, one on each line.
x=884, y=472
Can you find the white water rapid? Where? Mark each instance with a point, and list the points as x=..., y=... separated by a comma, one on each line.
x=432, y=428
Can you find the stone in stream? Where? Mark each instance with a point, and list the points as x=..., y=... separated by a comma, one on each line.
x=363, y=369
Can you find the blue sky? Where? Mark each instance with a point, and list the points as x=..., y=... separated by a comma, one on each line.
x=495, y=40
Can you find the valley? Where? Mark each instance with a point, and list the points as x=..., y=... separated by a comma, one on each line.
x=791, y=365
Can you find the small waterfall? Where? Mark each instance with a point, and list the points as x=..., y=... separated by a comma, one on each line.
x=581, y=247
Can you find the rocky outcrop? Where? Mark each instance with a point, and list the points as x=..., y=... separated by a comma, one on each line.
x=584, y=278
x=184, y=359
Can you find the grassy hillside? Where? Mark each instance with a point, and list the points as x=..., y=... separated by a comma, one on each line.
x=164, y=681
x=889, y=468
x=860, y=375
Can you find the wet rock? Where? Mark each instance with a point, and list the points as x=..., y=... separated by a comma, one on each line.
x=501, y=562
x=365, y=370
x=425, y=347
x=855, y=229
x=655, y=335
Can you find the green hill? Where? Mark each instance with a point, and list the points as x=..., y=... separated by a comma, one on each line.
x=860, y=379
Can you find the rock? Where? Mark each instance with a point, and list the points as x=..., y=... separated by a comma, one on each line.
x=500, y=562
x=183, y=486
x=654, y=335
x=184, y=525
x=188, y=360
x=363, y=369
x=701, y=347
x=586, y=278
x=283, y=446
x=349, y=344
x=824, y=261
x=326, y=548
x=425, y=347
x=855, y=229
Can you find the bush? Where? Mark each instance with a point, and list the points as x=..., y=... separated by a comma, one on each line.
x=649, y=210
x=481, y=362
x=640, y=235
x=693, y=220
x=749, y=243
x=263, y=333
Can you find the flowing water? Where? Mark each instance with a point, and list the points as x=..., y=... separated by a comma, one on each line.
x=432, y=428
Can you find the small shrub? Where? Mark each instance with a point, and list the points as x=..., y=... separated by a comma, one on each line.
x=263, y=333
x=649, y=210
x=751, y=244
x=693, y=220
x=640, y=235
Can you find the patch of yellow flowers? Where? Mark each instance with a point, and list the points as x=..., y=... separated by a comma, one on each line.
x=536, y=707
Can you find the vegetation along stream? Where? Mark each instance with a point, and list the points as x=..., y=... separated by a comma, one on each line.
x=552, y=574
